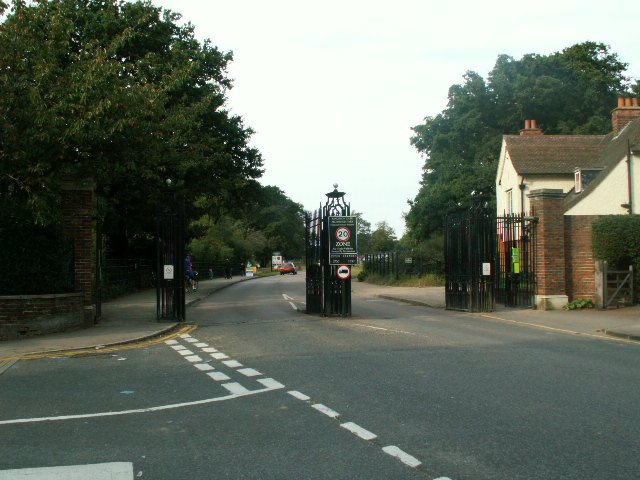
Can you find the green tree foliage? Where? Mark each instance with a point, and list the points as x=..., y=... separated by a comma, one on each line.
x=364, y=233
x=118, y=92
x=383, y=238
x=568, y=92
x=270, y=222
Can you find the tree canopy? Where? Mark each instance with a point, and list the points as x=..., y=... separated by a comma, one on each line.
x=567, y=92
x=121, y=93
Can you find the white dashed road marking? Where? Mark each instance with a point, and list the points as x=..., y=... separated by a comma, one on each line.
x=249, y=372
x=402, y=456
x=218, y=376
x=235, y=388
x=204, y=367
x=298, y=395
x=326, y=410
x=232, y=363
x=270, y=383
x=359, y=431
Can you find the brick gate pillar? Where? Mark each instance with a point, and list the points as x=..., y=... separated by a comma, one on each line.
x=78, y=222
x=547, y=205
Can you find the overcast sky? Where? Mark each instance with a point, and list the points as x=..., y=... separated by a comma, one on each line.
x=333, y=88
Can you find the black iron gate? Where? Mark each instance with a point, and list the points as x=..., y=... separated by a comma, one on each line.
x=469, y=257
x=515, y=282
x=489, y=260
x=170, y=267
x=326, y=294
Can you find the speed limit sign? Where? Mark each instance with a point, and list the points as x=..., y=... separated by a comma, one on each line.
x=343, y=272
x=343, y=234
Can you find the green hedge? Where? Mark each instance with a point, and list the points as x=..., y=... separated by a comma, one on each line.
x=616, y=239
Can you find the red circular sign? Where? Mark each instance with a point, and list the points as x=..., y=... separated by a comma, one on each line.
x=343, y=272
x=343, y=234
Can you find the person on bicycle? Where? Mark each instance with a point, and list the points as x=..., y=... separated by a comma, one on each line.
x=189, y=272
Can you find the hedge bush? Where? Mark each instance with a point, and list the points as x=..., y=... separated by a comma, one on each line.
x=616, y=240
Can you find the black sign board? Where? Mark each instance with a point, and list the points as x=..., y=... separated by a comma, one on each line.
x=343, y=240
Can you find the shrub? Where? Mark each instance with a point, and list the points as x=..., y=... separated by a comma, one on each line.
x=579, y=304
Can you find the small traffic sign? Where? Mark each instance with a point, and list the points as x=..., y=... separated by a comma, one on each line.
x=343, y=272
x=168, y=272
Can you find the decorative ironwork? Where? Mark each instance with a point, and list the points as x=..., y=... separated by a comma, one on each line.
x=326, y=294
x=489, y=260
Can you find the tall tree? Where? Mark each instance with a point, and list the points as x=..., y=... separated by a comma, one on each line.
x=119, y=92
x=568, y=92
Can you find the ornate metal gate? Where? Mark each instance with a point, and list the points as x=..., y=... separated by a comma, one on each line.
x=489, y=260
x=170, y=264
x=469, y=259
x=326, y=293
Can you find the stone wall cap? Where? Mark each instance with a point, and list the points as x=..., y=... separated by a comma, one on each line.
x=42, y=296
x=547, y=192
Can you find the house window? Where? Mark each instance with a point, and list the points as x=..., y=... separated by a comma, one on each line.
x=577, y=176
x=509, y=201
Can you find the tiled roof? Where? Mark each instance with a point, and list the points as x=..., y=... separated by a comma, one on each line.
x=555, y=154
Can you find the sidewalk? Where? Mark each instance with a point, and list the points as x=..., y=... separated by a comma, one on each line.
x=124, y=320
x=133, y=318
x=622, y=323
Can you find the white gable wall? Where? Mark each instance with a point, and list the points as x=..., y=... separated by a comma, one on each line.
x=612, y=192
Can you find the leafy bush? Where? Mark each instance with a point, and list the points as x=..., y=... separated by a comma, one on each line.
x=579, y=304
x=616, y=240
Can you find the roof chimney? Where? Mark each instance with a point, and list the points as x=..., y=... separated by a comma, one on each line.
x=530, y=128
x=627, y=111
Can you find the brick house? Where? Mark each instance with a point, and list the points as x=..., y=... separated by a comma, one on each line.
x=567, y=181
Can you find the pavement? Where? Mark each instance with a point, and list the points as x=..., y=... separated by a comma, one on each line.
x=131, y=319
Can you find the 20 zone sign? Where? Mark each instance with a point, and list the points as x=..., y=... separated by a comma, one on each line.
x=343, y=234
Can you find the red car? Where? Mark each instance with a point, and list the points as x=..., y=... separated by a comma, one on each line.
x=288, y=267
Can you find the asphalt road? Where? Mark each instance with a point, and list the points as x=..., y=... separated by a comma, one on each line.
x=261, y=390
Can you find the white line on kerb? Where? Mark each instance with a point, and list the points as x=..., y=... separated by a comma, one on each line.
x=359, y=431
x=402, y=456
x=326, y=410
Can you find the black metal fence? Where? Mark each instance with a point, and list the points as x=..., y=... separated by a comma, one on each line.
x=469, y=261
x=401, y=264
x=515, y=282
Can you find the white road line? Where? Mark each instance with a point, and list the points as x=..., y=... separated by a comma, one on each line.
x=326, y=410
x=286, y=297
x=209, y=350
x=299, y=395
x=193, y=358
x=442, y=478
x=191, y=340
x=140, y=410
x=98, y=471
x=171, y=342
x=402, y=456
x=200, y=344
x=184, y=353
x=235, y=388
x=249, y=372
x=219, y=356
x=359, y=431
x=293, y=305
x=218, y=376
x=178, y=347
x=185, y=335
x=270, y=383
x=205, y=367
x=232, y=363
x=384, y=329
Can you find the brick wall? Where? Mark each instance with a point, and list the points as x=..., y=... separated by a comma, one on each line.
x=580, y=264
x=547, y=205
x=29, y=315
x=78, y=211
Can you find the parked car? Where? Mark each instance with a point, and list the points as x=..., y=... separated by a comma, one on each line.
x=288, y=267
